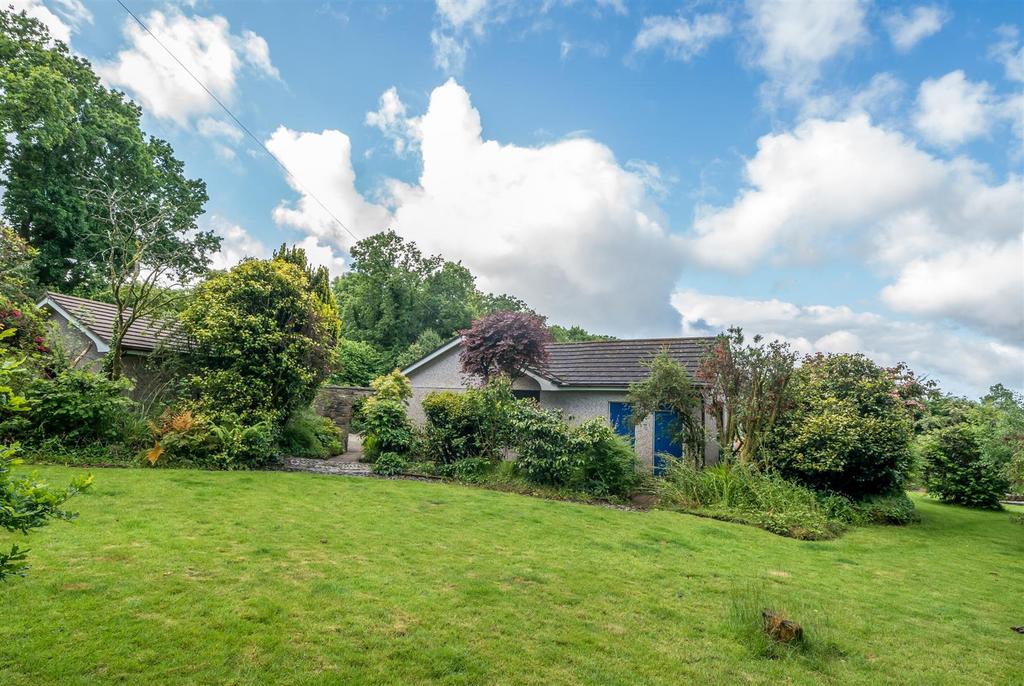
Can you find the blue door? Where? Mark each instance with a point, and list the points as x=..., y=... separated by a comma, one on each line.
x=621, y=417
x=666, y=426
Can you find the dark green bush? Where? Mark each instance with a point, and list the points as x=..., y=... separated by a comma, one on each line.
x=606, y=463
x=956, y=471
x=544, y=445
x=78, y=408
x=896, y=509
x=390, y=464
x=474, y=423
x=847, y=431
x=307, y=434
x=469, y=469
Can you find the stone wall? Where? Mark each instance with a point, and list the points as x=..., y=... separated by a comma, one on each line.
x=336, y=402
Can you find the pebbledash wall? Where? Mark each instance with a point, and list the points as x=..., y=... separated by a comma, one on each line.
x=445, y=374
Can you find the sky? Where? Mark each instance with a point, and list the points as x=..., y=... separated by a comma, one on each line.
x=843, y=174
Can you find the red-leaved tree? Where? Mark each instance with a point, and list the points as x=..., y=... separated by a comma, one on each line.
x=504, y=343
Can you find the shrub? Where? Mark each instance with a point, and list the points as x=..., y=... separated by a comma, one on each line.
x=955, y=470
x=543, y=442
x=386, y=428
x=896, y=509
x=78, y=408
x=470, y=469
x=187, y=438
x=263, y=338
x=389, y=464
x=307, y=434
x=739, y=492
x=356, y=363
x=476, y=423
x=848, y=431
x=606, y=462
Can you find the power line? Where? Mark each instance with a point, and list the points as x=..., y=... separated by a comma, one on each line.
x=245, y=128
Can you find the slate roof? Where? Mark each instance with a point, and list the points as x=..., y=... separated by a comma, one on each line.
x=616, y=364
x=145, y=335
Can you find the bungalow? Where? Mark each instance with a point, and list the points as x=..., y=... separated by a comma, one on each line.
x=86, y=327
x=584, y=380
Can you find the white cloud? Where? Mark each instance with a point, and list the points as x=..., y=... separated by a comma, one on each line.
x=981, y=283
x=322, y=255
x=465, y=13
x=952, y=110
x=322, y=163
x=391, y=120
x=906, y=31
x=236, y=243
x=882, y=95
x=563, y=225
x=850, y=181
x=68, y=18
x=962, y=362
x=209, y=127
x=1009, y=52
x=203, y=44
x=793, y=38
x=449, y=52
x=680, y=38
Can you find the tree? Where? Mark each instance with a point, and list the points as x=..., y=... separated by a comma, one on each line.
x=575, y=334
x=746, y=389
x=504, y=343
x=427, y=342
x=999, y=422
x=847, y=431
x=151, y=248
x=263, y=339
x=394, y=293
x=356, y=363
x=59, y=126
x=668, y=385
x=956, y=471
x=25, y=504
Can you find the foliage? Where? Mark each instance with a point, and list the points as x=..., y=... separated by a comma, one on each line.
x=356, y=363
x=185, y=438
x=575, y=334
x=389, y=464
x=472, y=424
x=64, y=134
x=427, y=342
x=467, y=469
x=307, y=434
x=393, y=293
x=668, y=385
x=30, y=335
x=386, y=428
x=738, y=491
x=504, y=343
x=956, y=471
x=999, y=422
x=262, y=340
x=746, y=389
x=895, y=509
x=848, y=430
x=15, y=266
x=543, y=443
x=25, y=503
x=77, y=407
x=606, y=462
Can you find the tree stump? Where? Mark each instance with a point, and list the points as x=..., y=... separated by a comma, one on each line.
x=780, y=629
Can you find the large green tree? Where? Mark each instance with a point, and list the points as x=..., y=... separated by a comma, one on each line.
x=62, y=135
x=393, y=293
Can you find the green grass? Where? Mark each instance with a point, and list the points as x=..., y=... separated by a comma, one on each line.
x=183, y=577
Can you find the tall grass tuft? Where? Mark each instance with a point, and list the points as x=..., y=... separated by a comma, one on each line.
x=738, y=492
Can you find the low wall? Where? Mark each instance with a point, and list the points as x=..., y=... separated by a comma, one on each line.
x=336, y=402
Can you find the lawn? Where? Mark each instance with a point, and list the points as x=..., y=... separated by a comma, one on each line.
x=182, y=577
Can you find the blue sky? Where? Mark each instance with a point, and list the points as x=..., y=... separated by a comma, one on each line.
x=840, y=173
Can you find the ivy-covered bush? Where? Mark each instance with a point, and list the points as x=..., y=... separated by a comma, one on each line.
x=185, y=438
x=386, y=428
x=956, y=471
x=263, y=337
x=848, y=430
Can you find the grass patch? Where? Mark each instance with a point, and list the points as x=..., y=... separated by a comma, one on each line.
x=182, y=577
